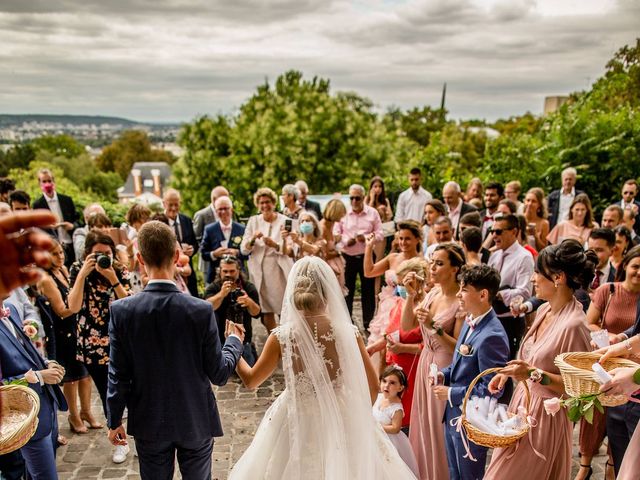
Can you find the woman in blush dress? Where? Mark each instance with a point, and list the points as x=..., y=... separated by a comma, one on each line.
x=545, y=453
x=440, y=326
x=578, y=225
x=409, y=238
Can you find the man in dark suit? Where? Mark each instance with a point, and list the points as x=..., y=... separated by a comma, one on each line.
x=304, y=202
x=20, y=360
x=482, y=344
x=165, y=353
x=559, y=201
x=602, y=241
x=183, y=228
x=493, y=193
x=221, y=238
x=456, y=207
x=206, y=216
x=63, y=208
x=629, y=202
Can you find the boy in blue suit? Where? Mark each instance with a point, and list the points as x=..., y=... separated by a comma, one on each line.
x=482, y=344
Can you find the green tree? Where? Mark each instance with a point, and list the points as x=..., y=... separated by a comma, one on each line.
x=293, y=129
x=60, y=145
x=132, y=146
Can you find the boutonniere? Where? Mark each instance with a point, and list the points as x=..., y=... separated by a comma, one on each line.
x=4, y=312
x=465, y=350
x=236, y=240
x=30, y=329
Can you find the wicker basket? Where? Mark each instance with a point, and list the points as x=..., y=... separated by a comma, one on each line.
x=487, y=439
x=20, y=407
x=579, y=379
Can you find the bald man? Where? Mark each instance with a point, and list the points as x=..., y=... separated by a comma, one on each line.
x=207, y=215
x=456, y=207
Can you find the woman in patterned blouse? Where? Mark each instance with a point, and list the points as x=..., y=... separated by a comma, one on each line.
x=97, y=282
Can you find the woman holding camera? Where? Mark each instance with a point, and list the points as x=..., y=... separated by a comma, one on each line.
x=265, y=240
x=95, y=283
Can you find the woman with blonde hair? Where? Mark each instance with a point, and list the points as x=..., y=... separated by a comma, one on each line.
x=265, y=240
x=535, y=211
x=333, y=212
x=321, y=426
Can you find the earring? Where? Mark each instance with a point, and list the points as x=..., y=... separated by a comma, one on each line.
x=556, y=284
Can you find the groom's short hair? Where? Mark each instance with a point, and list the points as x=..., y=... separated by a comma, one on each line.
x=157, y=244
x=481, y=277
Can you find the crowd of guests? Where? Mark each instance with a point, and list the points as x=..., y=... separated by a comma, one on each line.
x=516, y=278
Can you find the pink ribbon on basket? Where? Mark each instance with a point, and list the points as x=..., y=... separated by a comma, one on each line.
x=532, y=422
x=457, y=422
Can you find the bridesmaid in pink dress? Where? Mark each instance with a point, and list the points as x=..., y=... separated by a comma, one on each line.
x=436, y=315
x=560, y=326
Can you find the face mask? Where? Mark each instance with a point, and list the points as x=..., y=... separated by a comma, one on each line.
x=306, y=228
x=47, y=188
x=402, y=291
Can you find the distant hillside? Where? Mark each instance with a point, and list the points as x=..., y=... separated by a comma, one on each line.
x=7, y=120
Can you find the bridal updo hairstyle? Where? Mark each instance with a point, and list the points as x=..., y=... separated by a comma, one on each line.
x=568, y=257
x=308, y=293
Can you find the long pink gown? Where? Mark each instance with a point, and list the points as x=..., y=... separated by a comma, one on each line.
x=387, y=301
x=630, y=468
x=545, y=453
x=426, y=433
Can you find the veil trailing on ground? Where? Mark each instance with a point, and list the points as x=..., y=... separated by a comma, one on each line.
x=321, y=427
x=325, y=374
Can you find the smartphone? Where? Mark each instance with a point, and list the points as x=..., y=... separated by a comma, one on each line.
x=287, y=224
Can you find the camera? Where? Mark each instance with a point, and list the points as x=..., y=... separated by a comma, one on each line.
x=103, y=261
x=234, y=294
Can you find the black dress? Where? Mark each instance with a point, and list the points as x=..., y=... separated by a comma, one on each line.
x=66, y=339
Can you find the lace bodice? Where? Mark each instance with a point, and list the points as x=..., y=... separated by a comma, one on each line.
x=324, y=343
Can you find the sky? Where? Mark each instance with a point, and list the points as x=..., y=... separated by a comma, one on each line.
x=172, y=60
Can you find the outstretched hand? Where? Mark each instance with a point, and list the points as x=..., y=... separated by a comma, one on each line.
x=23, y=248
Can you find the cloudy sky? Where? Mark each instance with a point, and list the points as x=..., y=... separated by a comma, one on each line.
x=170, y=60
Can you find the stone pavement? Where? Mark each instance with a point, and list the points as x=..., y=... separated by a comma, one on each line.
x=89, y=456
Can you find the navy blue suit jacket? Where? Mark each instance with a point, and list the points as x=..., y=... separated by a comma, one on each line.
x=16, y=359
x=212, y=240
x=189, y=236
x=489, y=349
x=165, y=354
x=553, y=205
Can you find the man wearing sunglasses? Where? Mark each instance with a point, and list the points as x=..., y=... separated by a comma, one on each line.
x=515, y=265
x=360, y=221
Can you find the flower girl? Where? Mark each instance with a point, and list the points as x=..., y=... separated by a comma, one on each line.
x=388, y=412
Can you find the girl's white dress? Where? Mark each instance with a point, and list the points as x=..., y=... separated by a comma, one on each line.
x=383, y=416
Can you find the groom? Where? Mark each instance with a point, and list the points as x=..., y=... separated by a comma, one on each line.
x=165, y=353
x=482, y=344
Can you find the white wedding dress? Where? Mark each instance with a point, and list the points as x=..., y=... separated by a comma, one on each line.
x=321, y=426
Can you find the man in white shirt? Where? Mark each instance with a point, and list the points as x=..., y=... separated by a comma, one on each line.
x=63, y=208
x=456, y=208
x=515, y=265
x=411, y=202
x=443, y=232
x=559, y=201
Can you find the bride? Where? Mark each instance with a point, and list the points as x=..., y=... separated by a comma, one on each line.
x=321, y=426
